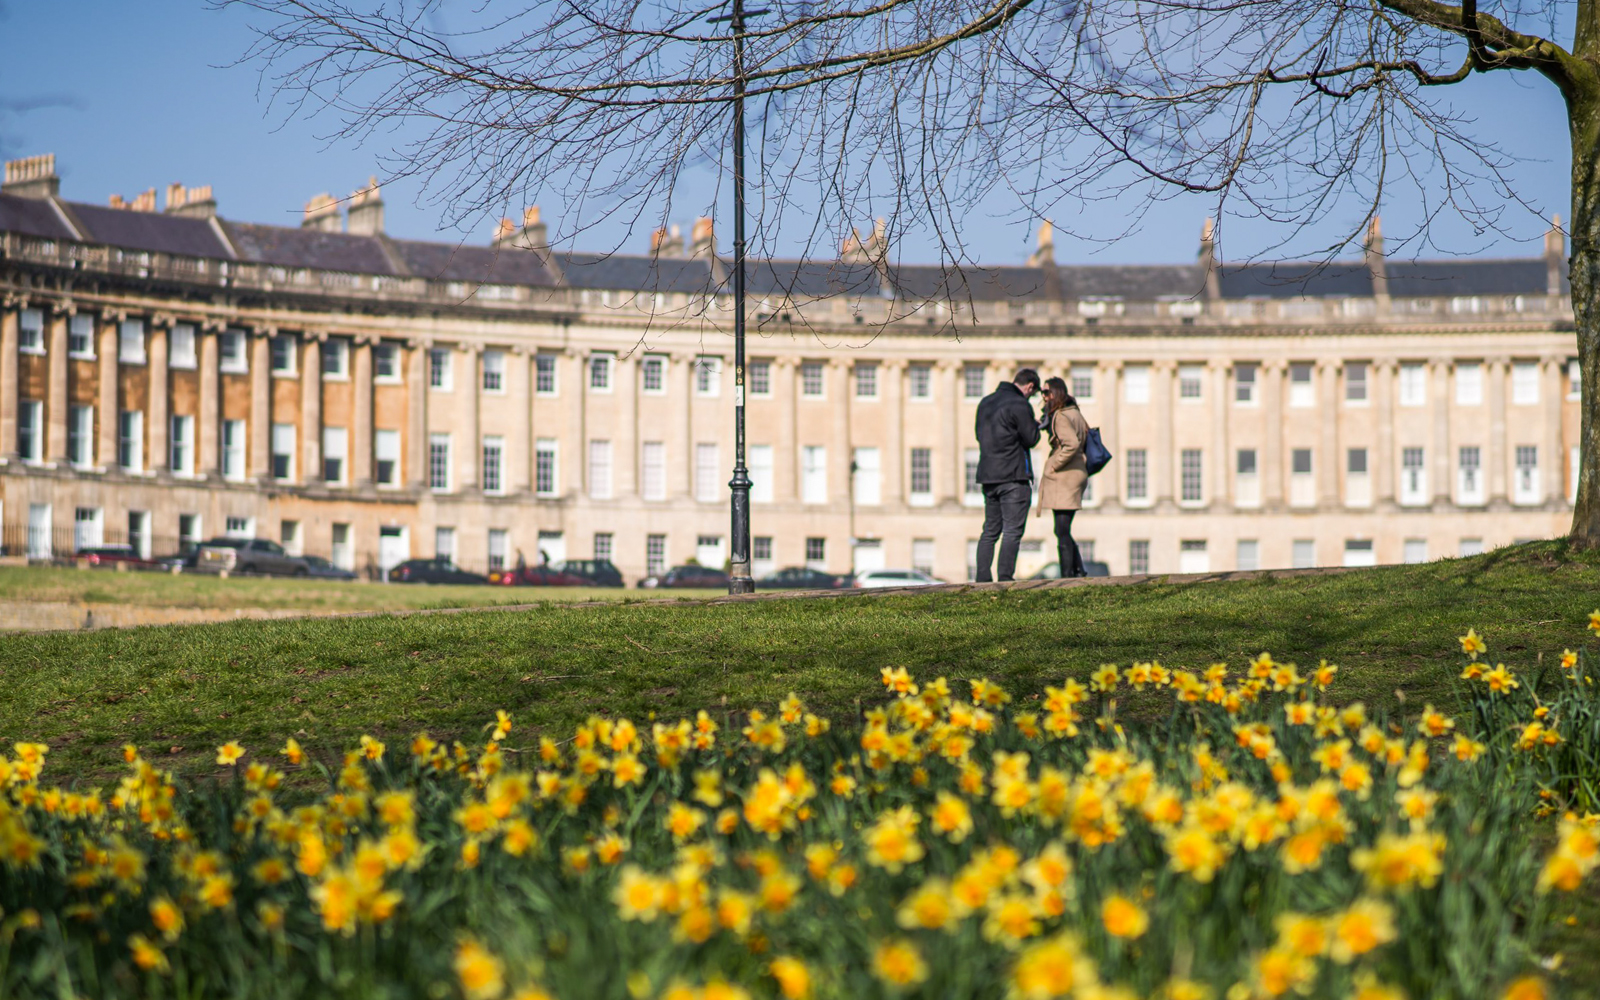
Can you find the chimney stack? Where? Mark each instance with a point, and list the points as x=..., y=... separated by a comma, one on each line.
x=535, y=234
x=703, y=238
x=1208, y=259
x=1045, y=255
x=667, y=242
x=32, y=177
x=532, y=235
x=146, y=202
x=1372, y=248
x=872, y=250
x=322, y=214
x=192, y=203
x=1555, y=256
x=365, y=217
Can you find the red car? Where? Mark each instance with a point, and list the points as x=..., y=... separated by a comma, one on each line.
x=538, y=576
x=112, y=555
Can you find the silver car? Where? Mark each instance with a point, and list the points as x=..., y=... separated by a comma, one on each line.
x=875, y=578
x=248, y=556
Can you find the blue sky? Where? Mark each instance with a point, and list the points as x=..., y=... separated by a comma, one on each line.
x=134, y=94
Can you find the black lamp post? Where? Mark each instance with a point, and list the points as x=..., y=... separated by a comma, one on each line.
x=739, y=579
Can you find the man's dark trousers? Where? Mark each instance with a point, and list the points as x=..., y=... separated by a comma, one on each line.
x=1005, y=514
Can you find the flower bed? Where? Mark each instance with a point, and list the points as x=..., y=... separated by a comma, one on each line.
x=1263, y=840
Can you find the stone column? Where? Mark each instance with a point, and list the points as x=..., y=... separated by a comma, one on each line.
x=210, y=397
x=1272, y=402
x=311, y=470
x=1553, y=461
x=10, y=321
x=519, y=388
x=1495, y=370
x=1220, y=489
x=1108, y=486
x=896, y=464
x=680, y=445
x=416, y=444
x=1328, y=441
x=1164, y=463
x=467, y=385
x=1442, y=490
x=952, y=480
x=259, y=464
x=55, y=451
x=359, y=441
x=786, y=462
x=1383, y=404
x=156, y=366
x=840, y=453
x=626, y=384
x=107, y=377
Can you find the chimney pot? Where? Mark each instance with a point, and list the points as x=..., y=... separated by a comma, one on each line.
x=1208, y=259
x=365, y=216
x=322, y=213
x=703, y=237
x=1045, y=253
x=1555, y=256
x=32, y=177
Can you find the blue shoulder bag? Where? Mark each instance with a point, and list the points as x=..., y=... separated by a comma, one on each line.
x=1095, y=455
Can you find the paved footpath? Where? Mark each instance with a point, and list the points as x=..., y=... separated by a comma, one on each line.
x=42, y=616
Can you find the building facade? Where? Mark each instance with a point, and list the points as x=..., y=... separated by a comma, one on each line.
x=170, y=375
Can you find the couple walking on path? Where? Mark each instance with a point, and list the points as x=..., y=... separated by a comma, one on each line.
x=1007, y=433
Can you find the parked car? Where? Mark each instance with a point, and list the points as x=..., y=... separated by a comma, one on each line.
x=801, y=578
x=543, y=575
x=320, y=567
x=1052, y=571
x=599, y=572
x=432, y=571
x=873, y=579
x=114, y=556
x=702, y=577
x=248, y=555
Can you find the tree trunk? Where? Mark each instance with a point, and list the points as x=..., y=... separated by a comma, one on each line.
x=1584, y=271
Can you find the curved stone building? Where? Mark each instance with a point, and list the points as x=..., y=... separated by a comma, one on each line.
x=169, y=375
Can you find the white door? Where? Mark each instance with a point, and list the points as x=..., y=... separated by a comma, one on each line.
x=1193, y=557
x=39, y=528
x=394, y=548
x=710, y=552
x=87, y=531
x=553, y=546
x=1359, y=552
x=868, y=555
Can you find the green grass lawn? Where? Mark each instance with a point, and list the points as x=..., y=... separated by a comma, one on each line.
x=198, y=590
x=1392, y=630
x=180, y=691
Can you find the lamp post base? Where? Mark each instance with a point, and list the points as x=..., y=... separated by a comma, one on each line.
x=741, y=585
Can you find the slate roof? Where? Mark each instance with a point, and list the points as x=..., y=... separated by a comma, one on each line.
x=625, y=272
x=488, y=265
x=800, y=280
x=117, y=227
x=32, y=217
x=809, y=280
x=1526, y=276
x=1134, y=282
x=287, y=247
x=1292, y=280
x=917, y=281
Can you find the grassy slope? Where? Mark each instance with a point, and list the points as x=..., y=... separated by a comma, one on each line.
x=327, y=681
x=193, y=590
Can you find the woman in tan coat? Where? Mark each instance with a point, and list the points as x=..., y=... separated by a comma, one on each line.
x=1065, y=471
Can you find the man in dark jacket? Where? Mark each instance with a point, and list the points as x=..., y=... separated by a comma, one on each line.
x=1007, y=431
